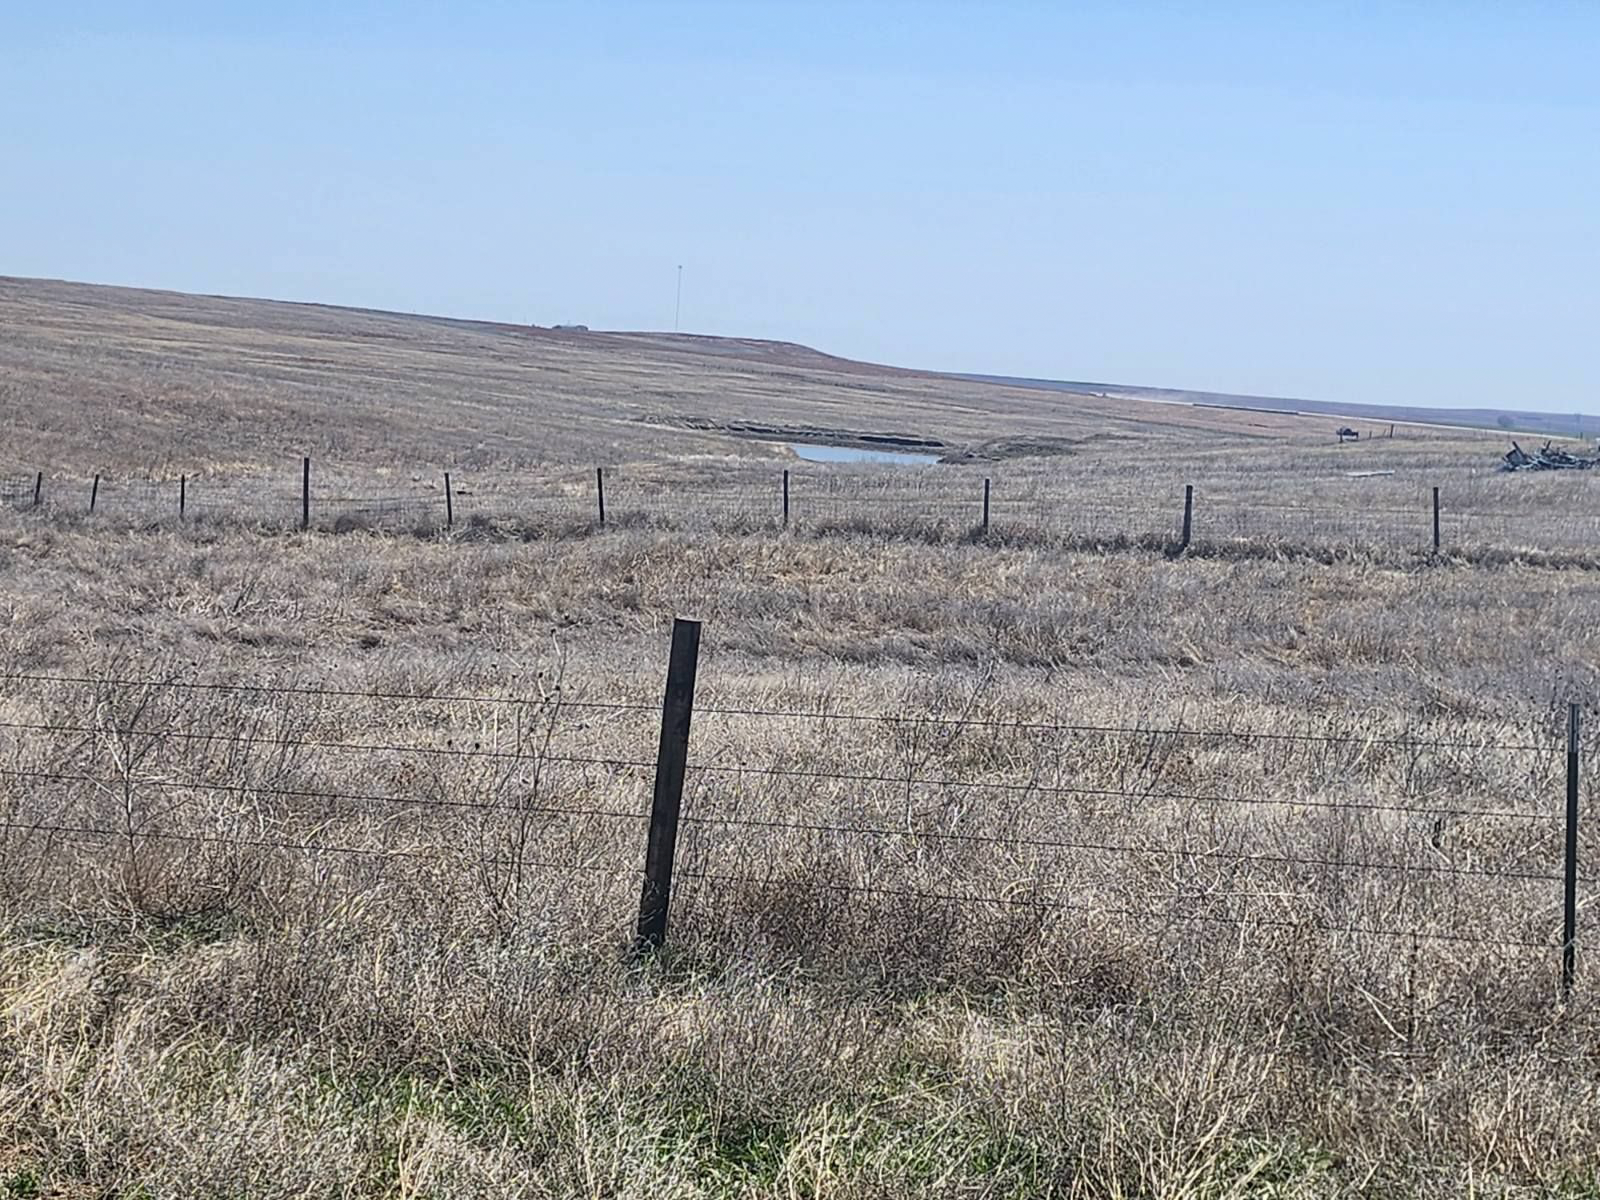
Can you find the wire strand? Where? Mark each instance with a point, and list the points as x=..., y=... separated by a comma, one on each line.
x=1111, y=793
x=1123, y=848
x=511, y=807
x=314, y=690
x=416, y=852
x=319, y=744
x=438, y=853
x=1122, y=730
x=801, y=826
x=1233, y=734
x=1098, y=910
x=537, y=759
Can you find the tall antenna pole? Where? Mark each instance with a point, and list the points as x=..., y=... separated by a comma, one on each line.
x=677, y=308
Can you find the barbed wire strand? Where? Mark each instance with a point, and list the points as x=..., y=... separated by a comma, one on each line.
x=1034, y=788
x=316, y=690
x=1027, y=788
x=1013, y=841
x=510, y=807
x=238, y=739
x=256, y=843
x=439, y=853
x=1218, y=734
x=1143, y=914
x=1124, y=848
x=1126, y=730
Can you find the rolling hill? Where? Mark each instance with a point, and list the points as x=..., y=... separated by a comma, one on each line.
x=1546, y=424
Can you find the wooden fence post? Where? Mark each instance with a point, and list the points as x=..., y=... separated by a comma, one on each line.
x=986, y=506
x=786, y=497
x=1569, y=918
x=183, y=494
x=1188, y=514
x=600, y=493
x=38, y=486
x=94, y=493
x=449, y=504
x=1435, y=520
x=672, y=756
x=305, y=492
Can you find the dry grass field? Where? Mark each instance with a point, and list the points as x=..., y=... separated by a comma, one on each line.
x=140, y=388
x=116, y=380
x=1042, y=861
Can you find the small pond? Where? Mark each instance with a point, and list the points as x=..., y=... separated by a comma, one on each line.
x=855, y=454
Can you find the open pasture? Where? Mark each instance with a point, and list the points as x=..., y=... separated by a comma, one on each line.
x=1041, y=861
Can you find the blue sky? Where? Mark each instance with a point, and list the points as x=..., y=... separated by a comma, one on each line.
x=1388, y=203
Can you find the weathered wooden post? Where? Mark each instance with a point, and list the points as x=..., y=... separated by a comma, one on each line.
x=672, y=757
x=1569, y=917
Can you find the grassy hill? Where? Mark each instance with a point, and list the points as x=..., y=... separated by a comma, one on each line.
x=147, y=380
x=1546, y=424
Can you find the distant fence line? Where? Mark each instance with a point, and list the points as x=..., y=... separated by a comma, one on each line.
x=119, y=769
x=611, y=498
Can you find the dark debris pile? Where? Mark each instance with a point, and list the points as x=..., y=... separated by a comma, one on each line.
x=1546, y=459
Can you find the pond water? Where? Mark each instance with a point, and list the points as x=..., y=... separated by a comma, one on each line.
x=855, y=454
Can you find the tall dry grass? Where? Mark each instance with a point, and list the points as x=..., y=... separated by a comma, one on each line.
x=1277, y=497
x=920, y=956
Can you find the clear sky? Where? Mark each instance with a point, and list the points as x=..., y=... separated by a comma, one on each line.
x=1394, y=202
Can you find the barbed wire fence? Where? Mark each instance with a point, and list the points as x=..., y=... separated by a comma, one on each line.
x=173, y=783
x=973, y=507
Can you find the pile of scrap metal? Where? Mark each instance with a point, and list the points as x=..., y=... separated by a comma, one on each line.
x=1547, y=459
